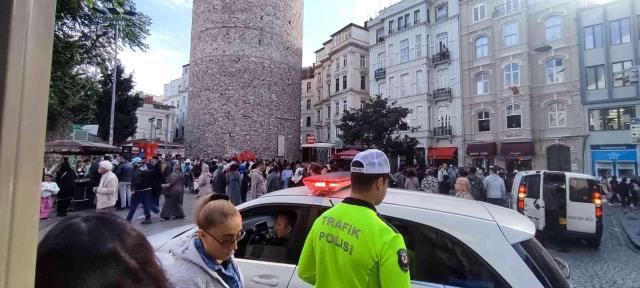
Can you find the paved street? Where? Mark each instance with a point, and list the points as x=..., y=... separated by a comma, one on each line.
x=615, y=264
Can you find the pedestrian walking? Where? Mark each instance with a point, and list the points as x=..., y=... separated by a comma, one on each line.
x=124, y=172
x=634, y=192
x=66, y=180
x=463, y=188
x=375, y=254
x=204, y=182
x=258, y=183
x=107, y=190
x=495, y=188
x=477, y=187
x=273, y=179
x=411, y=182
x=173, y=192
x=604, y=186
x=622, y=189
x=286, y=175
x=206, y=259
x=141, y=187
x=400, y=176
x=234, y=185
x=219, y=180
x=613, y=186
x=430, y=182
x=97, y=250
x=188, y=178
x=444, y=181
x=48, y=189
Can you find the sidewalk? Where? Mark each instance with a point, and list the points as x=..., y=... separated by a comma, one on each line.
x=630, y=221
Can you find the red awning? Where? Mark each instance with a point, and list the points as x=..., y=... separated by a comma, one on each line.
x=346, y=155
x=442, y=153
x=482, y=149
x=515, y=150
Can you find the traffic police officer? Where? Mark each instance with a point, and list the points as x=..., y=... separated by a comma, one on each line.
x=350, y=245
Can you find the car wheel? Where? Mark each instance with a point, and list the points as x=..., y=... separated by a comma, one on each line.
x=594, y=243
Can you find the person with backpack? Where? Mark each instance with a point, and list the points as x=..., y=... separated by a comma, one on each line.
x=444, y=181
x=613, y=186
x=477, y=187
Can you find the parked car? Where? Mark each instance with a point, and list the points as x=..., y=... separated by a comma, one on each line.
x=576, y=197
x=450, y=241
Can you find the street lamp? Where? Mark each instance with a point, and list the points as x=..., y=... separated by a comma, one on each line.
x=116, y=15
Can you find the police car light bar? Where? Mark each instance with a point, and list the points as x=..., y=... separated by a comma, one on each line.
x=327, y=184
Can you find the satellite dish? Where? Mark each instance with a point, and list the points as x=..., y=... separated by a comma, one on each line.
x=543, y=48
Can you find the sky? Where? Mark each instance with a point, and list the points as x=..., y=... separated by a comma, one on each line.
x=171, y=34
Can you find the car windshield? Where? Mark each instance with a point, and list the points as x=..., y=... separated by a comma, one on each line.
x=543, y=265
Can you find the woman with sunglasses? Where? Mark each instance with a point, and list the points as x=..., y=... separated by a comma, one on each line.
x=207, y=258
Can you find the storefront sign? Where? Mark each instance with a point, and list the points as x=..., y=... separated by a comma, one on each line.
x=635, y=130
x=513, y=134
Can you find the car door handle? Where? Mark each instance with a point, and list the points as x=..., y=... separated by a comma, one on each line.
x=260, y=280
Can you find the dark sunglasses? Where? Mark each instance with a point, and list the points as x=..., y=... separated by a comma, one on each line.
x=229, y=241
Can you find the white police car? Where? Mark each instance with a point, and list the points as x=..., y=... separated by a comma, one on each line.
x=451, y=242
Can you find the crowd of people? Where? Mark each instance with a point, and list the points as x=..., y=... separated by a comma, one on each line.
x=469, y=183
x=624, y=192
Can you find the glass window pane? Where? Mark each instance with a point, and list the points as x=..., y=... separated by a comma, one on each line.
x=600, y=77
x=626, y=113
x=625, y=31
x=615, y=32
x=588, y=38
x=562, y=119
x=618, y=74
x=597, y=35
x=591, y=78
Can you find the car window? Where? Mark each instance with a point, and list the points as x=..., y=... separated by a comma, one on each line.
x=541, y=264
x=532, y=182
x=580, y=189
x=437, y=257
x=266, y=240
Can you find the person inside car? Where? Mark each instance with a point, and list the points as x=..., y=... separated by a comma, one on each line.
x=285, y=221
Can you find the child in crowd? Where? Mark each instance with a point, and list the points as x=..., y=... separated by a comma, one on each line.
x=48, y=188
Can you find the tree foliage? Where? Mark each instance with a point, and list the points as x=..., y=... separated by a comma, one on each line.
x=83, y=45
x=126, y=106
x=376, y=125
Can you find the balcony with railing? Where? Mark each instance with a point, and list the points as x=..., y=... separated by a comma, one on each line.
x=442, y=94
x=510, y=6
x=443, y=131
x=441, y=57
x=380, y=73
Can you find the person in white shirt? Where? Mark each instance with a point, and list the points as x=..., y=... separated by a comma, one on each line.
x=48, y=188
x=107, y=190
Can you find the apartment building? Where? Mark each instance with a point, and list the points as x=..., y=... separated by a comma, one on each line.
x=520, y=81
x=308, y=100
x=609, y=35
x=176, y=94
x=341, y=77
x=415, y=64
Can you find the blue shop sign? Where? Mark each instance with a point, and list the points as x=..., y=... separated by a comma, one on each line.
x=614, y=152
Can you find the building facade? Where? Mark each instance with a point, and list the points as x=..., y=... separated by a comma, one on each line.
x=176, y=94
x=520, y=80
x=155, y=121
x=415, y=63
x=341, y=78
x=609, y=44
x=244, y=78
x=307, y=103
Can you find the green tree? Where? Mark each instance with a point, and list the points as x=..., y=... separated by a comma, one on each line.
x=376, y=125
x=83, y=45
x=125, y=122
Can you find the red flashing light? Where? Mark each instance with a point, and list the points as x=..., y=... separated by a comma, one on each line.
x=596, y=197
x=522, y=193
x=327, y=184
x=598, y=212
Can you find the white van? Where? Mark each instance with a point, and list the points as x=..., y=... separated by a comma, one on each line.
x=574, y=198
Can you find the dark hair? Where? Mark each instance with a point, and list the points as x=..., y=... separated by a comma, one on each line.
x=493, y=169
x=473, y=170
x=95, y=251
x=431, y=172
x=316, y=168
x=463, y=173
x=275, y=168
x=290, y=216
x=411, y=173
x=362, y=182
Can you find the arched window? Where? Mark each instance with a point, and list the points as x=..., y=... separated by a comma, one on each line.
x=554, y=70
x=484, y=121
x=553, y=28
x=482, y=47
x=557, y=115
x=512, y=75
x=514, y=116
x=482, y=83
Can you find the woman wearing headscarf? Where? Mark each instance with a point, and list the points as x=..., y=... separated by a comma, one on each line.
x=234, y=185
x=219, y=181
x=66, y=180
x=204, y=181
x=173, y=192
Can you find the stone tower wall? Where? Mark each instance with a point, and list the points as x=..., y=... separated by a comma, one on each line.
x=244, y=89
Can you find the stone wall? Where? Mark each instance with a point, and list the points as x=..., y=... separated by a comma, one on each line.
x=244, y=89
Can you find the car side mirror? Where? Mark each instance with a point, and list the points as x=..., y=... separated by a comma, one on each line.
x=563, y=266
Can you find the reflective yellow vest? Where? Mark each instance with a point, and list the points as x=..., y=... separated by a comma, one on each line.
x=351, y=246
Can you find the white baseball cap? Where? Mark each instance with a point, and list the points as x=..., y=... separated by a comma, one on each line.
x=372, y=161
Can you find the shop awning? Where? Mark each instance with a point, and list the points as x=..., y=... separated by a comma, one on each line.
x=482, y=149
x=520, y=149
x=346, y=155
x=442, y=153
